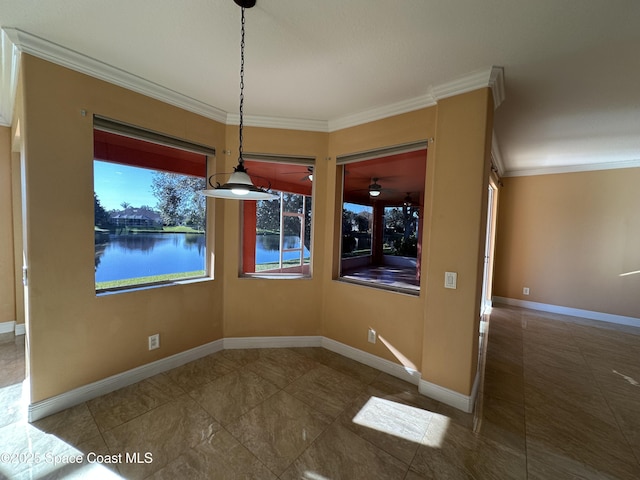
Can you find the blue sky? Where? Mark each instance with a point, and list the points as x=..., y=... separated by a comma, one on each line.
x=354, y=207
x=115, y=183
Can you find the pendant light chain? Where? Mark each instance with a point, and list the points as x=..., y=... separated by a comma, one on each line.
x=240, y=159
x=240, y=186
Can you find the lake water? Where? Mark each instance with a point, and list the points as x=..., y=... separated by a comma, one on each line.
x=268, y=248
x=147, y=254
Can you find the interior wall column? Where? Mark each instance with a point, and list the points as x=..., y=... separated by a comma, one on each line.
x=7, y=290
x=456, y=229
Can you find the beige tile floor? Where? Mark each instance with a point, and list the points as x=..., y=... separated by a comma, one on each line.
x=560, y=399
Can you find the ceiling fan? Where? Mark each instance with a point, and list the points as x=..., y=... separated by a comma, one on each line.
x=376, y=187
x=308, y=176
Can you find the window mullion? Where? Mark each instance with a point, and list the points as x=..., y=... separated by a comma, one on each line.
x=281, y=256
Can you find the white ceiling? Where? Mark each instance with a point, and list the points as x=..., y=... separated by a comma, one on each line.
x=571, y=67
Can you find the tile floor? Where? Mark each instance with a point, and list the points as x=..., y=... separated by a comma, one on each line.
x=560, y=399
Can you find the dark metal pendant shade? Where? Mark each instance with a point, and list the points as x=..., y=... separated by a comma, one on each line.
x=245, y=3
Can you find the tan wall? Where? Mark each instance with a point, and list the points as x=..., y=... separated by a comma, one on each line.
x=75, y=337
x=456, y=236
x=7, y=289
x=18, y=253
x=569, y=238
x=349, y=310
x=17, y=190
x=268, y=307
x=437, y=332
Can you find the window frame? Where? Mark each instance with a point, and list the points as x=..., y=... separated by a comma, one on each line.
x=297, y=162
x=342, y=162
x=110, y=126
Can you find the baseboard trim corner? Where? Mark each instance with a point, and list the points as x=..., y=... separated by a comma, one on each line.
x=451, y=397
x=271, y=342
x=7, y=327
x=12, y=327
x=49, y=406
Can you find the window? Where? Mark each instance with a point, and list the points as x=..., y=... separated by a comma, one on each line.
x=381, y=230
x=150, y=220
x=401, y=229
x=357, y=221
x=277, y=233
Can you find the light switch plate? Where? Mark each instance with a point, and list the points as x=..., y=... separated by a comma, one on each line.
x=450, y=280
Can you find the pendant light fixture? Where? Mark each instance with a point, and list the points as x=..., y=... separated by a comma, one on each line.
x=240, y=186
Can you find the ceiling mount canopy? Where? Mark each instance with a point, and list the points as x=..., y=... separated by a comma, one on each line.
x=240, y=186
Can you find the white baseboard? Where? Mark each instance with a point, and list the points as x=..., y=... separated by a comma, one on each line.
x=78, y=395
x=271, y=342
x=384, y=365
x=573, y=312
x=451, y=397
x=12, y=327
x=407, y=374
x=7, y=327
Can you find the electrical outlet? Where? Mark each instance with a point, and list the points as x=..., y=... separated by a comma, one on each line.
x=154, y=341
x=525, y=291
x=371, y=336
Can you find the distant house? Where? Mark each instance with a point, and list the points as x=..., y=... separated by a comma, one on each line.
x=136, y=217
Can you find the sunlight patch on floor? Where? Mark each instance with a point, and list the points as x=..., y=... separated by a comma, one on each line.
x=33, y=453
x=314, y=476
x=396, y=419
x=629, y=379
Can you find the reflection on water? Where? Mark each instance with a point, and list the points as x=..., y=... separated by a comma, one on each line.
x=268, y=248
x=143, y=254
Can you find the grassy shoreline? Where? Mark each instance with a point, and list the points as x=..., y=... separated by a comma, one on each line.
x=125, y=230
x=141, y=281
x=286, y=263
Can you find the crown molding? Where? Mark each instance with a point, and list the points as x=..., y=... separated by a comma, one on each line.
x=496, y=156
x=39, y=47
x=496, y=83
x=278, y=122
x=584, y=167
x=385, y=111
x=492, y=77
x=9, y=68
x=52, y=52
